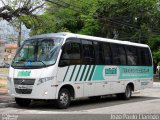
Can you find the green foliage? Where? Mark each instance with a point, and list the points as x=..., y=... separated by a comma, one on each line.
x=131, y=20
x=73, y=16
x=154, y=42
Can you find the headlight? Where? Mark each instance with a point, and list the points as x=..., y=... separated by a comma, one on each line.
x=42, y=80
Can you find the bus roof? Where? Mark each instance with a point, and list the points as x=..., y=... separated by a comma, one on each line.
x=68, y=35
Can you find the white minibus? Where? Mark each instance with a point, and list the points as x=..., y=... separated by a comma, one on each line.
x=66, y=66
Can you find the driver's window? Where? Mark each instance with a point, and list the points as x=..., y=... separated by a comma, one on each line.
x=71, y=53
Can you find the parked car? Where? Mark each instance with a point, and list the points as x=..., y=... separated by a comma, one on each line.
x=1, y=65
x=4, y=65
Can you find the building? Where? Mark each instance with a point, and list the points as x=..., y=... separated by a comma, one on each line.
x=7, y=52
x=10, y=51
x=2, y=51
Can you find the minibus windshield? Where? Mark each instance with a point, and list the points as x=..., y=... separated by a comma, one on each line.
x=39, y=52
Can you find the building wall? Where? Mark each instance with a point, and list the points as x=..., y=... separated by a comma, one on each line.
x=7, y=52
x=9, y=55
x=2, y=52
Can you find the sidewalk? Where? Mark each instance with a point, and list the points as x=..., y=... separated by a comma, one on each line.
x=4, y=97
x=3, y=87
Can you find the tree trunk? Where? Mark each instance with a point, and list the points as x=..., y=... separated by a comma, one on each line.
x=155, y=67
x=19, y=34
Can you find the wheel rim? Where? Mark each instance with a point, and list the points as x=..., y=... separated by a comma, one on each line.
x=64, y=98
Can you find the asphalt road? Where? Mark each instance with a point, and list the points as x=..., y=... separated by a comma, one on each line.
x=145, y=102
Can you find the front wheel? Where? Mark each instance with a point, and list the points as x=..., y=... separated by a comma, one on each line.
x=23, y=102
x=64, y=99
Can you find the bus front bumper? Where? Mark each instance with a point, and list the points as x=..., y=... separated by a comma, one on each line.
x=44, y=91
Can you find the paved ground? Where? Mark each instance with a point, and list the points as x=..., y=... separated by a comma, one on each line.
x=145, y=102
x=140, y=103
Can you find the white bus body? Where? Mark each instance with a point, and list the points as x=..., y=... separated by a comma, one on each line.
x=93, y=68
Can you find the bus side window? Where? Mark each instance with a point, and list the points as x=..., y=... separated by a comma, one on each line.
x=122, y=55
x=145, y=59
x=107, y=53
x=71, y=53
x=118, y=54
x=99, y=57
x=115, y=54
x=132, y=57
x=88, y=52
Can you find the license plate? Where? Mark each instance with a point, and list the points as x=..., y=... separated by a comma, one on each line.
x=22, y=87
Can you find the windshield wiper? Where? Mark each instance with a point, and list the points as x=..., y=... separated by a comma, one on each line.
x=19, y=61
x=42, y=62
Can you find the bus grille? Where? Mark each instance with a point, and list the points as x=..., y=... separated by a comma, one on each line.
x=23, y=91
x=23, y=86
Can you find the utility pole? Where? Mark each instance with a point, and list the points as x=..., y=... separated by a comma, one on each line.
x=19, y=34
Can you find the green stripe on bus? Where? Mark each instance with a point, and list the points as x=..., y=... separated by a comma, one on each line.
x=66, y=74
x=87, y=72
x=72, y=72
x=83, y=72
x=78, y=73
x=90, y=77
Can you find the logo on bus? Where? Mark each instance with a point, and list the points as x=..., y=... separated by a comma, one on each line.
x=110, y=71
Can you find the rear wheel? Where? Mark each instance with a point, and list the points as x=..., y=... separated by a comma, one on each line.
x=64, y=99
x=127, y=94
x=23, y=102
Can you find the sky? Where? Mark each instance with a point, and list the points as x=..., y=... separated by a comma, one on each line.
x=6, y=29
x=1, y=4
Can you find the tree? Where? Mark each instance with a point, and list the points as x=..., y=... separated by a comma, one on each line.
x=16, y=9
x=69, y=15
x=154, y=43
x=128, y=19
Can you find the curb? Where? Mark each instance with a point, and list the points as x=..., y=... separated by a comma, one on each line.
x=156, y=84
x=9, y=104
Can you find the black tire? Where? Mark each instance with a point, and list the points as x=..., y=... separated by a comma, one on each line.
x=23, y=102
x=64, y=99
x=127, y=94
